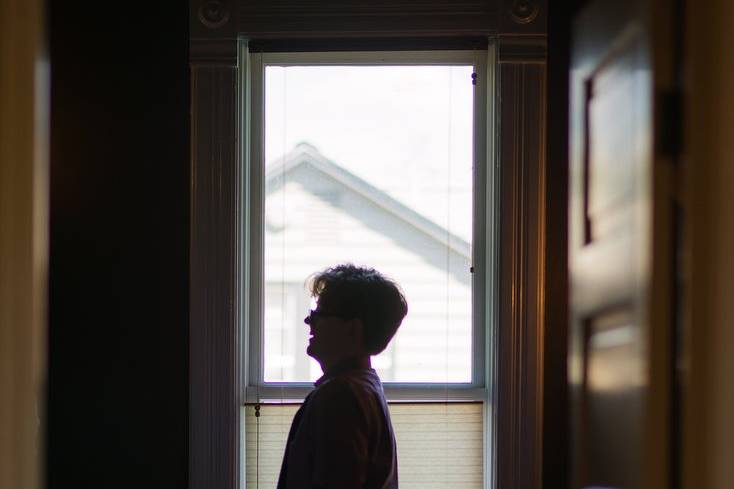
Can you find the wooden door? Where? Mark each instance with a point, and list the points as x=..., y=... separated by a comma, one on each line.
x=24, y=224
x=620, y=244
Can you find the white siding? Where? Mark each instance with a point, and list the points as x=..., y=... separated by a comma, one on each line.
x=315, y=223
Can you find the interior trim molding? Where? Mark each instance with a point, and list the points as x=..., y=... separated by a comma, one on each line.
x=289, y=19
x=222, y=52
x=216, y=190
x=214, y=423
x=283, y=19
x=523, y=49
x=519, y=400
x=213, y=32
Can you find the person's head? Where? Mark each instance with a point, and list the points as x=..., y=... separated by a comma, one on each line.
x=358, y=312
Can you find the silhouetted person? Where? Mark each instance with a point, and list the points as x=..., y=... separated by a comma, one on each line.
x=342, y=437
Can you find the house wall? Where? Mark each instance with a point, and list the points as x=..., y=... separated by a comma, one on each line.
x=117, y=398
x=434, y=341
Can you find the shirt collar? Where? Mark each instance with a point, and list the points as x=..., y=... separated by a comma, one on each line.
x=339, y=368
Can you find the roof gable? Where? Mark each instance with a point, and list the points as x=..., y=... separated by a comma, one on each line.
x=307, y=156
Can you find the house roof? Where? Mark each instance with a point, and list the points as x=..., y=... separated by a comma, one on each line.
x=308, y=155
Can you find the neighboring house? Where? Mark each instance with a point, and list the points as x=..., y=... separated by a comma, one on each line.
x=318, y=214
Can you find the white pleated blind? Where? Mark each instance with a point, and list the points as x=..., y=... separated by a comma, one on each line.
x=440, y=445
x=265, y=438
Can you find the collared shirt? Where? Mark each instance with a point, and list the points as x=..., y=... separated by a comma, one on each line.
x=342, y=437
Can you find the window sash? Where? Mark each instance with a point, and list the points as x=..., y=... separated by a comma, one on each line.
x=251, y=81
x=290, y=392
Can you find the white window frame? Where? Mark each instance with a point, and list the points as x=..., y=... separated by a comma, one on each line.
x=485, y=222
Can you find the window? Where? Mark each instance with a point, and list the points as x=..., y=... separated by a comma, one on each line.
x=377, y=159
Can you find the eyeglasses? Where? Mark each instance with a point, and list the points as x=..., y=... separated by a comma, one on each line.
x=315, y=314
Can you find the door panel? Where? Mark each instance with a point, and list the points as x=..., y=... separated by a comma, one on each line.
x=615, y=143
x=614, y=380
x=618, y=245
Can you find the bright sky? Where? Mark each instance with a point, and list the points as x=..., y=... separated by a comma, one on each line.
x=405, y=129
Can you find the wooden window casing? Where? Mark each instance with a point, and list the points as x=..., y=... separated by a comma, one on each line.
x=217, y=344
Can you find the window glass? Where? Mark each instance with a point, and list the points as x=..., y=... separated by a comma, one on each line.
x=371, y=165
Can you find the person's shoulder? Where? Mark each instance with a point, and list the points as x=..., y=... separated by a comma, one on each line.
x=335, y=396
x=348, y=386
x=340, y=386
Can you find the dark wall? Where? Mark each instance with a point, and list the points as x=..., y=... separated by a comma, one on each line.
x=117, y=406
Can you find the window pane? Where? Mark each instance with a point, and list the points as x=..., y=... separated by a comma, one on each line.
x=440, y=446
x=371, y=165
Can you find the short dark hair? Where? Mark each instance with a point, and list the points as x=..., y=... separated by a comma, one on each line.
x=362, y=293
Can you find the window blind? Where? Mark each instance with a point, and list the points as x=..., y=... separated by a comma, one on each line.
x=440, y=445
